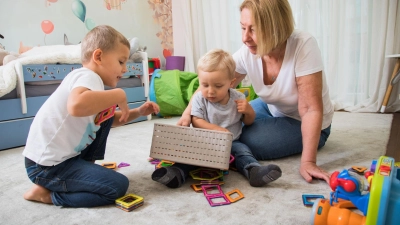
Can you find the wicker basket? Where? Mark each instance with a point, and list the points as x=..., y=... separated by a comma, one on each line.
x=199, y=147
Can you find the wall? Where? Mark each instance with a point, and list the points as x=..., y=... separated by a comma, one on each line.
x=29, y=23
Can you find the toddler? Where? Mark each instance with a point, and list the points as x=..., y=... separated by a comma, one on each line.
x=219, y=107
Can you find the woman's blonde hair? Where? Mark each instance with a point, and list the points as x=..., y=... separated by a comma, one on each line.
x=273, y=21
x=215, y=60
x=102, y=37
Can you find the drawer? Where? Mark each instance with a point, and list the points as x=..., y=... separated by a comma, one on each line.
x=135, y=94
x=133, y=106
x=14, y=111
x=13, y=133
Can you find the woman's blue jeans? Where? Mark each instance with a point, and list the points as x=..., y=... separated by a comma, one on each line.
x=78, y=182
x=269, y=138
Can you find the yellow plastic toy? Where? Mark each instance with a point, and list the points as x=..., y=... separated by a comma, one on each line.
x=246, y=92
x=109, y=165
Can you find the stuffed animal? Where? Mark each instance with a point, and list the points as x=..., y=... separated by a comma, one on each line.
x=6, y=57
x=1, y=46
x=3, y=54
x=24, y=48
x=66, y=41
x=135, y=48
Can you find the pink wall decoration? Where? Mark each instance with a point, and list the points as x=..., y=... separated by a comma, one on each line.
x=163, y=16
x=113, y=4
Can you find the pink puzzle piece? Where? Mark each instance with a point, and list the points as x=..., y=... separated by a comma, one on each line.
x=122, y=164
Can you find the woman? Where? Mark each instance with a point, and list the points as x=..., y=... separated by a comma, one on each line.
x=293, y=111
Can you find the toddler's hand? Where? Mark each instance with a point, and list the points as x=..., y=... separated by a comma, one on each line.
x=185, y=120
x=148, y=108
x=243, y=106
x=221, y=129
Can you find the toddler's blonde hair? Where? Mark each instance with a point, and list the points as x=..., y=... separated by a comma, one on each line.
x=102, y=37
x=215, y=60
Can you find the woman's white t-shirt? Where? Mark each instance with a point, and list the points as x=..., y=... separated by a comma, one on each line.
x=55, y=135
x=302, y=57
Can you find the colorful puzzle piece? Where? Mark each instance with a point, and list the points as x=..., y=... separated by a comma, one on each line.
x=129, y=202
x=109, y=165
x=308, y=197
x=105, y=115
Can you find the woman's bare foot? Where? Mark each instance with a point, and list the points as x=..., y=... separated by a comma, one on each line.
x=39, y=194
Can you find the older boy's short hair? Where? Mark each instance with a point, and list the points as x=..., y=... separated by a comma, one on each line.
x=273, y=20
x=102, y=37
x=217, y=59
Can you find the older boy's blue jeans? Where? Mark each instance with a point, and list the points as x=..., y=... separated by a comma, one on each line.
x=269, y=138
x=78, y=182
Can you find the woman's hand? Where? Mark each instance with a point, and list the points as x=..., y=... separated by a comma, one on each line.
x=310, y=169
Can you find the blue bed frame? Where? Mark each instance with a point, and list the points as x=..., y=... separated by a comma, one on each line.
x=16, y=115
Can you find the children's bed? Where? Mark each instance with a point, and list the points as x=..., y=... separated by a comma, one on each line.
x=26, y=83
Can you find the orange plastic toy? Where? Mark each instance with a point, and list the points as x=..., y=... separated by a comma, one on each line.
x=335, y=215
x=379, y=203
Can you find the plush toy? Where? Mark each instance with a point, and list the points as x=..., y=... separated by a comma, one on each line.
x=1, y=46
x=66, y=41
x=3, y=53
x=23, y=48
x=6, y=57
x=134, y=51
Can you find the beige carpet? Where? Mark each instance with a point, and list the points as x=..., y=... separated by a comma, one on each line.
x=356, y=139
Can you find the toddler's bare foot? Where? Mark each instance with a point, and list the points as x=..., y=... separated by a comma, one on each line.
x=39, y=194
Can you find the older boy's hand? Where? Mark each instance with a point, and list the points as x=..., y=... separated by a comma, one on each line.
x=124, y=112
x=148, y=108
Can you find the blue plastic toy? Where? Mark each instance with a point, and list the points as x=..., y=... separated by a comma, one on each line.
x=379, y=201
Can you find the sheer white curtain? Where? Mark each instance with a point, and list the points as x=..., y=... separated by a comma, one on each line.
x=354, y=37
x=201, y=25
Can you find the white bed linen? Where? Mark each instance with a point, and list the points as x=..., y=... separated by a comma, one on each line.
x=11, y=73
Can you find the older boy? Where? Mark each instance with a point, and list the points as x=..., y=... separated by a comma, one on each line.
x=64, y=140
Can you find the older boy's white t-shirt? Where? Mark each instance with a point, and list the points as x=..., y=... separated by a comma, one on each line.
x=302, y=57
x=55, y=135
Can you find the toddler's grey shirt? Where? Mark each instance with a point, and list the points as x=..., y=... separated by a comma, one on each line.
x=225, y=116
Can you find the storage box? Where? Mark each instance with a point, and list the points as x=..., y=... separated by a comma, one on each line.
x=194, y=146
x=154, y=63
